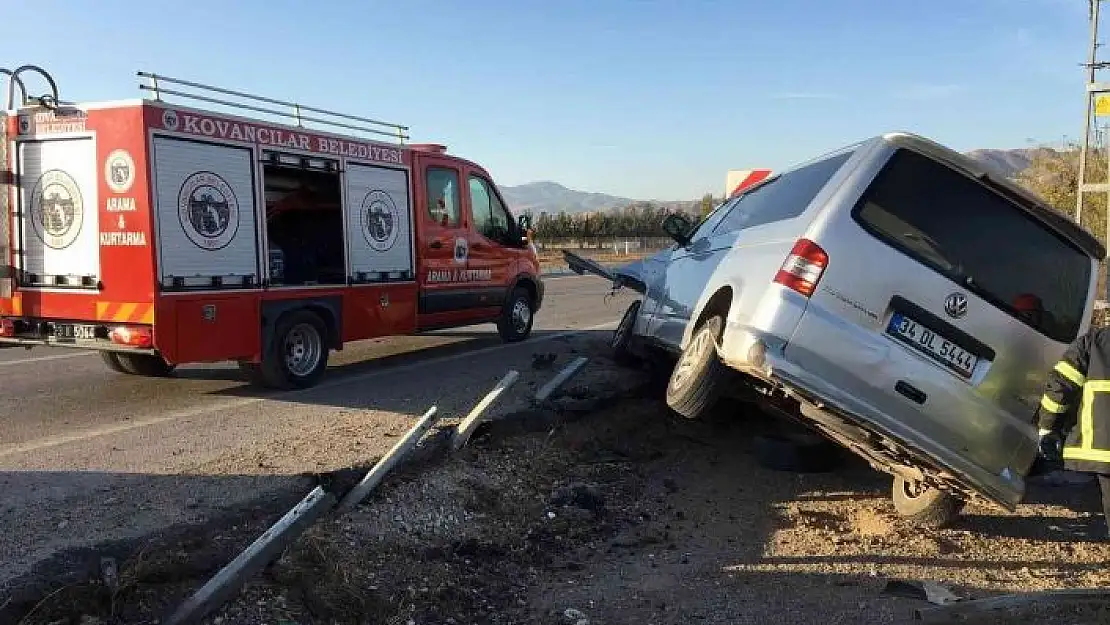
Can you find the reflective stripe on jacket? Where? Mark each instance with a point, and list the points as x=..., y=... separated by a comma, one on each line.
x=1078, y=393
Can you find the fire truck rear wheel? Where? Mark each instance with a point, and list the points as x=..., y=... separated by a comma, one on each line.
x=298, y=354
x=517, y=316
x=146, y=365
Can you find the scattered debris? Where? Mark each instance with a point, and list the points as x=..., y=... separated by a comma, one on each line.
x=1010, y=605
x=543, y=361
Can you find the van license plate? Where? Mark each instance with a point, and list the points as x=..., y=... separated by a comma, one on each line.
x=932, y=344
x=71, y=332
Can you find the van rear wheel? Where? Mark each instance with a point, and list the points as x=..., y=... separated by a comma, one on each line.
x=297, y=356
x=145, y=365
x=112, y=360
x=696, y=380
x=923, y=505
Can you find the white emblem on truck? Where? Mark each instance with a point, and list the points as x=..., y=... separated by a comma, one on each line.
x=379, y=220
x=119, y=171
x=57, y=209
x=462, y=250
x=208, y=210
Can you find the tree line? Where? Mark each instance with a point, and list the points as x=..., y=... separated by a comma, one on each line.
x=639, y=220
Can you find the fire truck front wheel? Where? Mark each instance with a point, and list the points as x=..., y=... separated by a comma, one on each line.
x=298, y=353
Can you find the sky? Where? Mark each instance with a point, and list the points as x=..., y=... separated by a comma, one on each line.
x=649, y=100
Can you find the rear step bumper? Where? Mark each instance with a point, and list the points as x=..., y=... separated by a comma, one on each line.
x=30, y=332
x=1005, y=490
x=100, y=346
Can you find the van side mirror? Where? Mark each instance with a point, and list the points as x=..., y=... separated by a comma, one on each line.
x=678, y=227
x=524, y=228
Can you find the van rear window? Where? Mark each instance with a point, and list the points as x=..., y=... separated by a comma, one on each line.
x=979, y=239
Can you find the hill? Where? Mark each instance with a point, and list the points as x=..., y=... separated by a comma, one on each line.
x=552, y=197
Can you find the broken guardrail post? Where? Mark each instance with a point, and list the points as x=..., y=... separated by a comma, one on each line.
x=389, y=460
x=567, y=373
x=261, y=552
x=467, y=426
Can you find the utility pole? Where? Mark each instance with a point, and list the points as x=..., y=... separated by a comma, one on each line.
x=1096, y=100
x=1090, y=96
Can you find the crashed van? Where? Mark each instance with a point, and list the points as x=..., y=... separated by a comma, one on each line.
x=894, y=295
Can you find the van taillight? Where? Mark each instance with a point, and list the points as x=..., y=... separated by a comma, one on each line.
x=7, y=328
x=132, y=336
x=802, y=269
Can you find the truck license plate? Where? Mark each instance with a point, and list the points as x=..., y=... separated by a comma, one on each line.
x=73, y=332
x=932, y=344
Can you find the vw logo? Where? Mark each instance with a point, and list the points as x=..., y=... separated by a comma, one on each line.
x=955, y=305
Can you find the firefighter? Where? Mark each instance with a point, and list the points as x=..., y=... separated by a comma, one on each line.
x=1074, y=419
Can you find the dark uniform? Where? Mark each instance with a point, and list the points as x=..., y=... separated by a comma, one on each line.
x=1076, y=405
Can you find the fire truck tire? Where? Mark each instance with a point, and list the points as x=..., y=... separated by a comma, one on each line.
x=112, y=360
x=298, y=354
x=146, y=365
x=515, y=323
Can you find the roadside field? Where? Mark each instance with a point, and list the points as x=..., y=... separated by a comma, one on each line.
x=612, y=510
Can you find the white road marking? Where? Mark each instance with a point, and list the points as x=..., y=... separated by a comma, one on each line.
x=63, y=439
x=27, y=361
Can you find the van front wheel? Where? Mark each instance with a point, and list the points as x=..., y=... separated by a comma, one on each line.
x=923, y=505
x=697, y=378
x=515, y=323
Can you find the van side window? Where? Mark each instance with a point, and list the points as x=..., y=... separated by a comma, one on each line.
x=980, y=240
x=491, y=219
x=784, y=197
x=443, y=196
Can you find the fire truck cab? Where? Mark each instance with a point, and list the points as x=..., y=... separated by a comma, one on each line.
x=161, y=234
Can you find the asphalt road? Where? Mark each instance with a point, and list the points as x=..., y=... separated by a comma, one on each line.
x=88, y=455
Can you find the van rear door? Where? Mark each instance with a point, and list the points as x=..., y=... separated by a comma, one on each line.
x=943, y=305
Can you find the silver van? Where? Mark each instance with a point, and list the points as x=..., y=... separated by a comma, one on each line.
x=895, y=295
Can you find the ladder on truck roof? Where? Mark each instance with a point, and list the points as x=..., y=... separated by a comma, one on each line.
x=49, y=100
x=295, y=112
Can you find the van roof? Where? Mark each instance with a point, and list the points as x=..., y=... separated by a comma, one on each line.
x=1029, y=201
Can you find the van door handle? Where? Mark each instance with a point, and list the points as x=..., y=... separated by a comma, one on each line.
x=910, y=391
x=435, y=245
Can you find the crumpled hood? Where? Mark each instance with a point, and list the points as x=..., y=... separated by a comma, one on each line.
x=628, y=275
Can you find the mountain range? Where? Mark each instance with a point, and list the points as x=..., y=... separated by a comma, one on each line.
x=552, y=197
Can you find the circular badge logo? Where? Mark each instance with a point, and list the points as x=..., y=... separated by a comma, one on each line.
x=169, y=119
x=208, y=210
x=119, y=171
x=379, y=220
x=57, y=209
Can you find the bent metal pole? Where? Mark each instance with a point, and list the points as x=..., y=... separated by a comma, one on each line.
x=388, y=461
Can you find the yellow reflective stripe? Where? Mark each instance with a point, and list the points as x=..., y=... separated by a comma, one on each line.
x=1065, y=369
x=1090, y=455
x=1051, y=406
x=1086, y=419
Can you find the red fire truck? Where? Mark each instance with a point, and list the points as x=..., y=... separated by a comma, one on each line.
x=161, y=235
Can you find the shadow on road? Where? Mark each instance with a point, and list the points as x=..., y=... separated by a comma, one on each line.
x=391, y=381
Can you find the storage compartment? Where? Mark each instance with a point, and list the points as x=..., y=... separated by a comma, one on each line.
x=304, y=220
